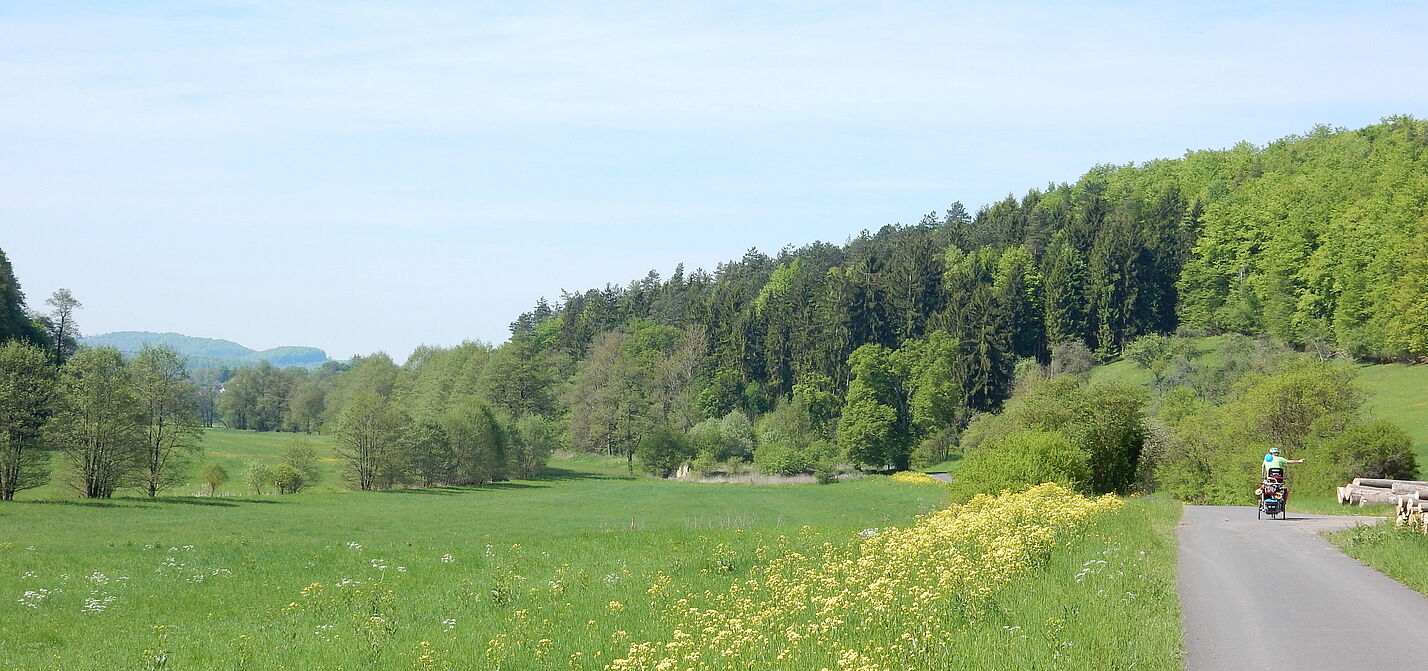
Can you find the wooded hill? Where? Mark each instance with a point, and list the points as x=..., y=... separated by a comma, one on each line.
x=877, y=352
x=1317, y=240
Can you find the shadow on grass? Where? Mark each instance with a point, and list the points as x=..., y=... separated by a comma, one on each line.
x=83, y=503
x=449, y=490
x=223, y=502
x=430, y=491
x=555, y=474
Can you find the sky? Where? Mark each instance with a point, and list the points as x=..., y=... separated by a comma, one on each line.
x=365, y=177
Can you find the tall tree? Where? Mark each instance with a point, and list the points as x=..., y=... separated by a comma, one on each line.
x=65, y=336
x=172, y=425
x=27, y=389
x=15, y=321
x=369, y=431
x=871, y=429
x=99, y=422
x=478, y=441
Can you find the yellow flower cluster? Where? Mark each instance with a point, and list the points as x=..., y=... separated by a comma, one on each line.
x=877, y=604
x=915, y=478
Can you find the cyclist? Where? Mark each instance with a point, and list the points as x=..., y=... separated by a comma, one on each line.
x=1274, y=461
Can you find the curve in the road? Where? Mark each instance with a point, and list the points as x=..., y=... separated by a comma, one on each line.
x=1273, y=594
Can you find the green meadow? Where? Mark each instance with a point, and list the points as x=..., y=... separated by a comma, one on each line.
x=563, y=571
x=213, y=583
x=233, y=450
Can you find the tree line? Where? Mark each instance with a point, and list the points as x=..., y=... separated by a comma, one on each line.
x=113, y=423
x=879, y=352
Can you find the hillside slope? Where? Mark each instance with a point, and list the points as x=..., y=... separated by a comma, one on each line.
x=1395, y=391
x=208, y=352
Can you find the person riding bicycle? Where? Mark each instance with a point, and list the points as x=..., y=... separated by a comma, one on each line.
x=1273, y=485
x=1274, y=462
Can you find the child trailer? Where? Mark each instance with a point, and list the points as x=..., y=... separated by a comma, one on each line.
x=1272, y=495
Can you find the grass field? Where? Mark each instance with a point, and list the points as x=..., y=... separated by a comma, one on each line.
x=1399, y=393
x=233, y=450
x=566, y=571
x=210, y=582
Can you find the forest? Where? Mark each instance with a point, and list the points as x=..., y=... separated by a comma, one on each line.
x=895, y=348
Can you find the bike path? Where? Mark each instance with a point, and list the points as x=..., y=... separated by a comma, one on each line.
x=1273, y=594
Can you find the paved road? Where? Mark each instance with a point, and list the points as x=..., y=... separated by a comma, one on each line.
x=1272, y=594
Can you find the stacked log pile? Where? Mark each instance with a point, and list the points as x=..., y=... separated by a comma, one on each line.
x=1409, y=498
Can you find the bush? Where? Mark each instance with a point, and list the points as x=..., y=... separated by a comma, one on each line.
x=301, y=455
x=1020, y=460
x=662, y=451
x=1375, y=449
x=1105, y=421
x=1309, y=409
x=214, y=476
x=781, y=459
x=935, y=449
x=533, y=438
x=287, y=479
x=257, y=476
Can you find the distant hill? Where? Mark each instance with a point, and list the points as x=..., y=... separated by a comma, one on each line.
x=208, y=352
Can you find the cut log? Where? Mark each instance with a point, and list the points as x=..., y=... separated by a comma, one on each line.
x=1383, y=483
x=1407, y=488
x=1341, y=496
x=1371, y=496
x=1402, y=505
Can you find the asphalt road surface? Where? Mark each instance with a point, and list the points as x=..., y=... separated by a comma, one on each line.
x=1273, y=594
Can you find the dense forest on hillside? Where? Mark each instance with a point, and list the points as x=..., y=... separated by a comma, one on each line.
x=878, y=352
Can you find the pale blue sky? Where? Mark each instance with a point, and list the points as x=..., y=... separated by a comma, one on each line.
x=373, y=176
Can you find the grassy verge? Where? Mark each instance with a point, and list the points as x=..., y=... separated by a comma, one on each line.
x=1397, y=552
x=1106, y=602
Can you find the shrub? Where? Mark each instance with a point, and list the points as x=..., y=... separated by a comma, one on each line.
x=662, y=451
x=1308, y=409
x=1105, y=421
x=287, y=479
x=1376, y=449
x=533, y=438
x=257, y=476
x=214, y=476
x=301, y=455
x=781, y=459
x=1072, y=357
x=935, y=449
x=1022, y=459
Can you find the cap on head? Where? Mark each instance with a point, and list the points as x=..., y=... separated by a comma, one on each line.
x=1274, y=450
